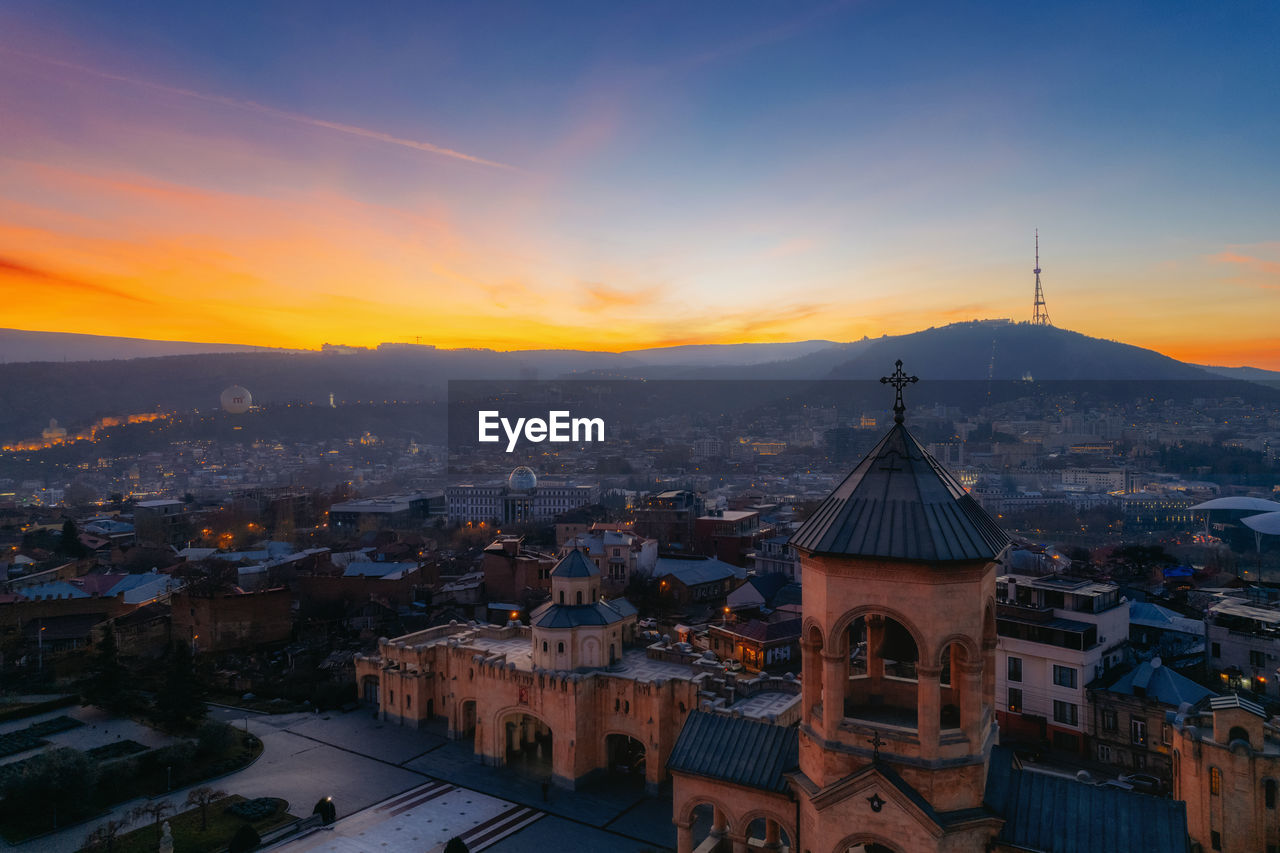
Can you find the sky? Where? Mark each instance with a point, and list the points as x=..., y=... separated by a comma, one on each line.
x=613, y=176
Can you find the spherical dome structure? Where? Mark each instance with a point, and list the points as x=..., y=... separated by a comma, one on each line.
x=522, y=479
x=236, y=400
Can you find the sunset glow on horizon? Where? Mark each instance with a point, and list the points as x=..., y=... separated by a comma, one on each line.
x=612, y=179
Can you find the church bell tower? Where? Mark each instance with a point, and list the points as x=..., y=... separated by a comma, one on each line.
x=898, y=644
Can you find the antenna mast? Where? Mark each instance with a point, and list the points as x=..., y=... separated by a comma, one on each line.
x=1039, y=313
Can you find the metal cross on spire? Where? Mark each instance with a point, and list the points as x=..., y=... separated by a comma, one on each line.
x=898, y=380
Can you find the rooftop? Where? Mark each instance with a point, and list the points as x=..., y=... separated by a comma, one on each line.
x=737, y=750
x=900, y=503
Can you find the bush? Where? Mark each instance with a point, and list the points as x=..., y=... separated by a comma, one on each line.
x=213, y=738
x=245, y=839
x=456, y=845
x=254, y=810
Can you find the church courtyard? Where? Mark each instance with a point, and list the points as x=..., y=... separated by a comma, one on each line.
x=398, y=788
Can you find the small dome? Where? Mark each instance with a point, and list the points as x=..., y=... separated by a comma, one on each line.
x=522, y=479
x=236, y=400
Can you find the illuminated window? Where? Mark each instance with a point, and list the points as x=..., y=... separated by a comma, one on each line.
x=1215, y=781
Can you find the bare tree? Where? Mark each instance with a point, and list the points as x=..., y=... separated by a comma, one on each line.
x=104, y=836
x=204, y=796
x=154, y=810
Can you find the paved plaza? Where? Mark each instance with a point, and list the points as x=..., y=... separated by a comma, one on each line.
x=402, y=789
x=98, y=729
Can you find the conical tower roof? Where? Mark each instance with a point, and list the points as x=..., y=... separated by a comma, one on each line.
x=574, y=565
x=901, y=504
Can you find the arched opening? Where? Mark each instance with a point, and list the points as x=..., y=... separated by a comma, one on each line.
x=811, y=670
x=951, y=693
x=708, y=828
x=527, y=744
x=1238, y=733
x=369, y=690
x=883, y=686
x=767, y=834
x=870, y=847
x=467, y=720
x=626, y=759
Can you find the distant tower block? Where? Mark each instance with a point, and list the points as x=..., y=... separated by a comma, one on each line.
x=1039, y=313
x=236, y=400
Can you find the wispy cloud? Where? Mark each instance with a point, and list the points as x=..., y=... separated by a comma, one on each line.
x=1255, y=264
x=263, y=109
x=602, y=297
x=49, y=278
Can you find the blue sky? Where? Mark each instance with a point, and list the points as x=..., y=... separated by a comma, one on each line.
x=620, y=175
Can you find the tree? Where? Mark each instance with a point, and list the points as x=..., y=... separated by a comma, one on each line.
x=204, y=796
x=213, y=737
x=105, y=685
x=456, y=845
x=153, y=810
x=103, y=837
x=326, y=809
x=71, y=540
x=180, y=701
x=58, y=777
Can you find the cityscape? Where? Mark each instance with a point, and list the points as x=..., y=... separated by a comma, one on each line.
x=821, y=428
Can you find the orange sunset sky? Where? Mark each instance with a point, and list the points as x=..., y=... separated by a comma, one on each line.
x=618, y=179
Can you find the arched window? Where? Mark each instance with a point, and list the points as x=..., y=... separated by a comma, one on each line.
x=544, y=645
x=1215, y=781
x=562, y=596
x=1269, y=793
x=560, y=648
x=579, y=596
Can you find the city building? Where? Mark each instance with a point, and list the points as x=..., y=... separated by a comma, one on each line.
x=758, y=645
x=669, y=517
x=1056, y=634
x=727, y=534
x=618, y=554
x=695, y=580
x=513, y=572
x=1226, y=768
x=1131, y=713
x=522, y=499
x=1243, y=637
x=387, y=512
x=774, y=555
x=162, y=522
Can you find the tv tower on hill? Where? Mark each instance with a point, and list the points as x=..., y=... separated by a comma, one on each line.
x=1039, y=313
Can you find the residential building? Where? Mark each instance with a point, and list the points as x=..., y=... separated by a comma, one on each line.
x=774, y=555
x=618, y=554
x=1131, y=711
x=1056, y=634
x=669, y=517
x=512, y=571
x=727, y=534
x=1244, y=645
x=758, y=645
